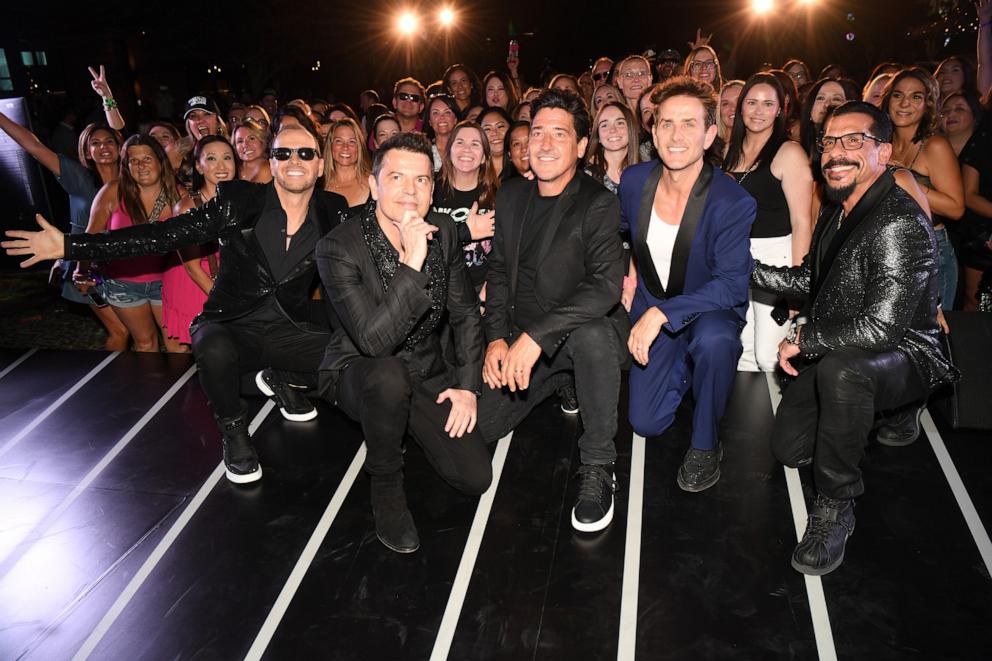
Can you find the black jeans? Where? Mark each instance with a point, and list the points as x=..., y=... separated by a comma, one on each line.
x=593, y=353
x=826, y=414
x=381, y=394
x=224, y=351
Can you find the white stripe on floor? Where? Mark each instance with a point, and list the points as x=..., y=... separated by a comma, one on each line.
x=449, y=621
x=28, y=428
x=282, y=602
x=163, y=546
x=814, y=586
x=627, y=645
x=7, y=370
x=978, y=530
x=40, y=528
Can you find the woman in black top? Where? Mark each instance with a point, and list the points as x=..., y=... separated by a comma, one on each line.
x=776, y=172
x=466, y=191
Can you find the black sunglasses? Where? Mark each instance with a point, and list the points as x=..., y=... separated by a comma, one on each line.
x=601, y=75
x=284, y=153
x=406, y=96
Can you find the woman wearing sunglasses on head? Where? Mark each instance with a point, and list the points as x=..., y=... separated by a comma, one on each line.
x=251, y=142
x=348, y=164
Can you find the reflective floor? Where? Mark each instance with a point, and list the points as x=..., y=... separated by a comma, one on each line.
x=120, y=539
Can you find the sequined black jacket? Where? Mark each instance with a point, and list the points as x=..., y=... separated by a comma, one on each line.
x=876, y=288
x=244, y=281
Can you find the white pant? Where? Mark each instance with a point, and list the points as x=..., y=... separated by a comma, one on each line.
x=761, y=336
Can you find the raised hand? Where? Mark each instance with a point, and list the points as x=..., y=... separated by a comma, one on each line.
x=700, y=40
x=48, y=243
x=99, y=83
x=414, y=234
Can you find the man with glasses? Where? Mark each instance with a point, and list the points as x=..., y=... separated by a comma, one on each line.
x=256, y=319
x=633, y=77
x=408, y=102
x=866, y=340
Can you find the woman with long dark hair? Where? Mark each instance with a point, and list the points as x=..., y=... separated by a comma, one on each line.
x=96, y=165
x=500, y=91
x=440, y=117
x=495, y=123
x=190, y=274
x=911, y=99
x=466, y=190
x=145, y=192
x=462, y=83
x=613, y=144
x=775, y=171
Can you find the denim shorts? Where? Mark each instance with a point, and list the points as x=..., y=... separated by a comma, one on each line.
x=127, y=294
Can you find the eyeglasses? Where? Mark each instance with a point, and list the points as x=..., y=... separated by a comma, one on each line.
x=849, y=141
x=702, y=64
x=406, y=96
x=284, y=153
x=602, y=75
x=637, y=73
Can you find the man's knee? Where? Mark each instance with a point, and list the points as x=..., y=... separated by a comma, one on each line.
x=842, y=368
x=790, y=449
x=648, y=422
x=387, y=382
x=212, y=346
x=476, y=480
x=593, y=338
x=716, y=342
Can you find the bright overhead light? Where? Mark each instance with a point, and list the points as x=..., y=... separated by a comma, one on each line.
x=762, y=6
x=407, y=23
x=446, y=16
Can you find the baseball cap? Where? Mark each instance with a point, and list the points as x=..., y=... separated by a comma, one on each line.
x=200, y=103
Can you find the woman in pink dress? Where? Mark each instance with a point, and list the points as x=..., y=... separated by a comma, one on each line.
x=190, y=275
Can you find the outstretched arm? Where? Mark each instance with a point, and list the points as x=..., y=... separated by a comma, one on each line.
x=30, y=143
x=47, y=243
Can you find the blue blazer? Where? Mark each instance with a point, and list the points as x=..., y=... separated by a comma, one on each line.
x=711, y=262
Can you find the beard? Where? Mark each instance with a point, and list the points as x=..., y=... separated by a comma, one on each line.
x=838, y=195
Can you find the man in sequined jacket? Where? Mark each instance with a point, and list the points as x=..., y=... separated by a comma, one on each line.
x=867, y=337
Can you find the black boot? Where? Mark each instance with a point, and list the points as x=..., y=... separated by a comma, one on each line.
x=240, y=461
x=393, y=521
x=902, y=428
x=822, y=547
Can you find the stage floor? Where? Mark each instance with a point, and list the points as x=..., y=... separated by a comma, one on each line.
x=121, y=539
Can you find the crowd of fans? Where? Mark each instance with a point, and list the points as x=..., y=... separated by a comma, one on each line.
x=769, y=123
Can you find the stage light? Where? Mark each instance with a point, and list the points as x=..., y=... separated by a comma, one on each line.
x=407, y=23
x=446, y=16
x=762, y=6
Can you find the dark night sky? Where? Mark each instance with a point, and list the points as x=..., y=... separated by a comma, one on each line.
x=257, y=43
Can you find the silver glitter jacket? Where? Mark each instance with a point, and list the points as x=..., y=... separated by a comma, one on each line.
x=879, y=293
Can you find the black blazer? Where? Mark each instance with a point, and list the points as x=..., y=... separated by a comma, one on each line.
x=375, y=323
x=244, y=280
x=581, y=257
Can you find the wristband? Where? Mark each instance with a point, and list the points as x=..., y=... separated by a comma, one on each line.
x=109, y=104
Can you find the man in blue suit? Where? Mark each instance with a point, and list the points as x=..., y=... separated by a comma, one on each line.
x=690, y=224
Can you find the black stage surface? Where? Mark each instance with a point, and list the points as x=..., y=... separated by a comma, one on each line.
x=120, y=539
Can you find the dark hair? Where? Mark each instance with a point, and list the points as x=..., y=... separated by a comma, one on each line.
x=688, y=86
x=793, y=62
x=884, y=67
x=596, y=153
x=967, y=71
x=735, y=147
x=409, y=80
x=473, y=98
x=416, y=143
x=974, y=104
x=381, y=118
x=84, y=144
x=929, y=120
x=512, y=93
x=570, y=102
x=198, y=179
x=826, y=70
x=447, y=100
x=301, y=116
x=168, y=126
x=807, y=128
x=488, y=180
x=128, y=193
x=881, y=124
x=345, y=108
x=792, y=107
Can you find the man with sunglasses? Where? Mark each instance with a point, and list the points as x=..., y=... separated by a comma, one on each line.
x=600, y=71
x=408, y=102
x=866, y=341
x=668, y=64
x=256, y=320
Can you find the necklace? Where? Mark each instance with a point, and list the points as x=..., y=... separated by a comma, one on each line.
x=840, y=218
x=754, y=164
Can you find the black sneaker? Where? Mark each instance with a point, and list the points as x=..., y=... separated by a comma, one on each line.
x=240, y=460
x=822, y=547
x=700, y=469
x=902, y=428
x=569, y=400
x=293, y=404
x=393, y=522
x=593, y=509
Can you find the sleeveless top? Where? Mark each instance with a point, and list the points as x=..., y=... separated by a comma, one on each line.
x=772, y=219
x=134, y=269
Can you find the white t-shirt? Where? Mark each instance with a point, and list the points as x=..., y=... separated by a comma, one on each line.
x=661, y=243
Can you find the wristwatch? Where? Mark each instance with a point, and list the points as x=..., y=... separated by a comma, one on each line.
x=793, y=336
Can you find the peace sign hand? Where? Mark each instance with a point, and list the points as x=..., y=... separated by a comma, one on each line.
x=99, y=82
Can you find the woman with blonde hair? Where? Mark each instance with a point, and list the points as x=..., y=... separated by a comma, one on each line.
x=727, y=110
x=347, y=163
x=251, y=144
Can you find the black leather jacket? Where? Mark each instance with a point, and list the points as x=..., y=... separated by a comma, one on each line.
x=876, y=288
x=244, y=281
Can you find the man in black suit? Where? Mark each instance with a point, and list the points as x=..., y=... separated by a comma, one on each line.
x=257, y=314
x=394, y=276
x=552, y=301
